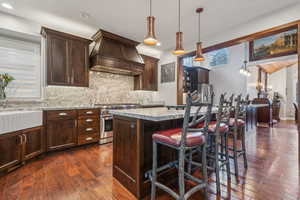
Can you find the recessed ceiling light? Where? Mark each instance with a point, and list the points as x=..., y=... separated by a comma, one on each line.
x=7, y=6
x=158, y=44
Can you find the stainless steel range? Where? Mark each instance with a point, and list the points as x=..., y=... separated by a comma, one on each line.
x=106, y=125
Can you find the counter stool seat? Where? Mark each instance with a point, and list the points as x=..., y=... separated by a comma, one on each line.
x=213, y=125
x=173, y=137
x=240, y=122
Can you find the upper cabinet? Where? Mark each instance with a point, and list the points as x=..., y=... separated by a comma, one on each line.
x=67, y=59
x=148, y=79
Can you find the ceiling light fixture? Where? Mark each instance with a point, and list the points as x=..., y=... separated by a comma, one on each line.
x=158, y=44
x=7, y=6
x=150, y=39
x=244, y=71
x=179, y=35
x=199, y=55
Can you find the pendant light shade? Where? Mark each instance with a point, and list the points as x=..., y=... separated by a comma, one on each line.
x=199, y=54
x=150, y=39
x=179, y=49
x=179, y=36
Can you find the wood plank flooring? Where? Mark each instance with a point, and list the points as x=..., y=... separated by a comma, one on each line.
x=85, y=173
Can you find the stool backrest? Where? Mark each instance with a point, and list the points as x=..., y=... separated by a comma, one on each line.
x=224, y=112
x=198, y=109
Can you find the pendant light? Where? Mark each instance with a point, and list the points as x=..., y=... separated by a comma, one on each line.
x=150, y=39
x=179, y=49
x=244, y=71
x=199, y=55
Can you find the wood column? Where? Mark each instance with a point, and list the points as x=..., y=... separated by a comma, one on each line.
x=259, y=82
x=266, y=82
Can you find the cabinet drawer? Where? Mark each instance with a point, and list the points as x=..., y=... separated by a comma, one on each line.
x=88, y=130
x=61, y=114
x=85, y=139
x=86, y=113
x=88, y=122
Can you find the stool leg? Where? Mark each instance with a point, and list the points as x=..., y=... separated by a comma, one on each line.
x=227, y=159
x=244, y=147
x=181, y=174
x=154, y=175
x=235, y=153
x=222, y=146
x=217, y=167
x=204, y=171
x=190, y=162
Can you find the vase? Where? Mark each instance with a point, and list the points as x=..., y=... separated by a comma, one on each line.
x=2, y=93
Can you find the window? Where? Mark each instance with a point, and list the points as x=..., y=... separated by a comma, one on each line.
x=214, y=58
x=21, y=59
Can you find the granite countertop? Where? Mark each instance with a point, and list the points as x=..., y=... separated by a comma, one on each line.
x=155, y=114
x=258, y=105
x=64, y=107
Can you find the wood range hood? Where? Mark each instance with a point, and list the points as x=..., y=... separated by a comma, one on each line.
x=115, y=54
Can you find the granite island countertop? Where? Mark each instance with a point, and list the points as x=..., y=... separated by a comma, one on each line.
x=156, y=114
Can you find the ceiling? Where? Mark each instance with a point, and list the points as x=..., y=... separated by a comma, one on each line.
x=276, y=66
x=128, y=17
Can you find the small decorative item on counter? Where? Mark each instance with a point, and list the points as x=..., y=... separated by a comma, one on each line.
x=5, y=79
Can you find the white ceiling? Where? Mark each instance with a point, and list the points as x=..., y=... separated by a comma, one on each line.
x=128, y=17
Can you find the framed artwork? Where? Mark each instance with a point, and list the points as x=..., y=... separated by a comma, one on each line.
x=276, y=44
x=168, y=73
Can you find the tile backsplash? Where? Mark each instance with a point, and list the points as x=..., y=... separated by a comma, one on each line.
x=104, y=88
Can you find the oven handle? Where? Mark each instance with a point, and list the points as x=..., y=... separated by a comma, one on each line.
x=102, y=127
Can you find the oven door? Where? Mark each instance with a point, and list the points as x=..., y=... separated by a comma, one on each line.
x=106, y=134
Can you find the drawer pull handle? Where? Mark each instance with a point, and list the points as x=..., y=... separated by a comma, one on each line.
x=89, y=129
x=89, y=120
x=63, y=114
x=89, y=138
x=89, y=112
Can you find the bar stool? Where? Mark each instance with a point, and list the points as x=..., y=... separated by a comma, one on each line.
x=184, y=140
x=218, y=138
x=237, y=125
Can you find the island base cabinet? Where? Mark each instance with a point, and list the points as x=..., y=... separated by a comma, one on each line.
x=10, y=150
x=132, y=153
x=61, y=134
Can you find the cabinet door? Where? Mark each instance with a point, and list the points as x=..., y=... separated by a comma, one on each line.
x=57, y=60
x=61, y=134
x=78, y=63
x=10, y=150
x=148, y=80
x=34, y=142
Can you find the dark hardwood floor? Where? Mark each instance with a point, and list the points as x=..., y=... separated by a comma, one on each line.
x=85, y=173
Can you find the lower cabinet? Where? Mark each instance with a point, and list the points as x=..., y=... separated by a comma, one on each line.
x=34, y=142
x=11, y=150
x=20, y=146
x=61, y=134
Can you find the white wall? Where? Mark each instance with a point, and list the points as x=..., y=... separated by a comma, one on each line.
x=227, y=78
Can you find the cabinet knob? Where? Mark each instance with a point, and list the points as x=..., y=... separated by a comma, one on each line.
x=89, y=129
x=89, y=112
x=62, y=114
x=89, y=120
x=88, y=138
x=132, y=125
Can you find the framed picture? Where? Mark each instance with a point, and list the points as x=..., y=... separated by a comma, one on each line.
x=276, y=44
x=168, y=73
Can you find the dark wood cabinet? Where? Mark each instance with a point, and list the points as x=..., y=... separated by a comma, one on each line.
x=67, y=59
x=61, y=134
x=11, y=150
x=148, y=79
x=195, y=77
x=17, y=147
x=34, y=142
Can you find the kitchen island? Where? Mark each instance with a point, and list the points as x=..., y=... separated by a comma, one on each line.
x=132, y=145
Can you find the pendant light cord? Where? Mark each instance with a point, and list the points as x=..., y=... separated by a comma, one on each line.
x=179, y=14
x=150, y=7
x=199, y=28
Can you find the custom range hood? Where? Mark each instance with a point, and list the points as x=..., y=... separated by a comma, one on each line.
x=115, y=54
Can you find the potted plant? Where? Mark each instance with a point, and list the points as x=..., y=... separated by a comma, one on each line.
x=5, y=79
